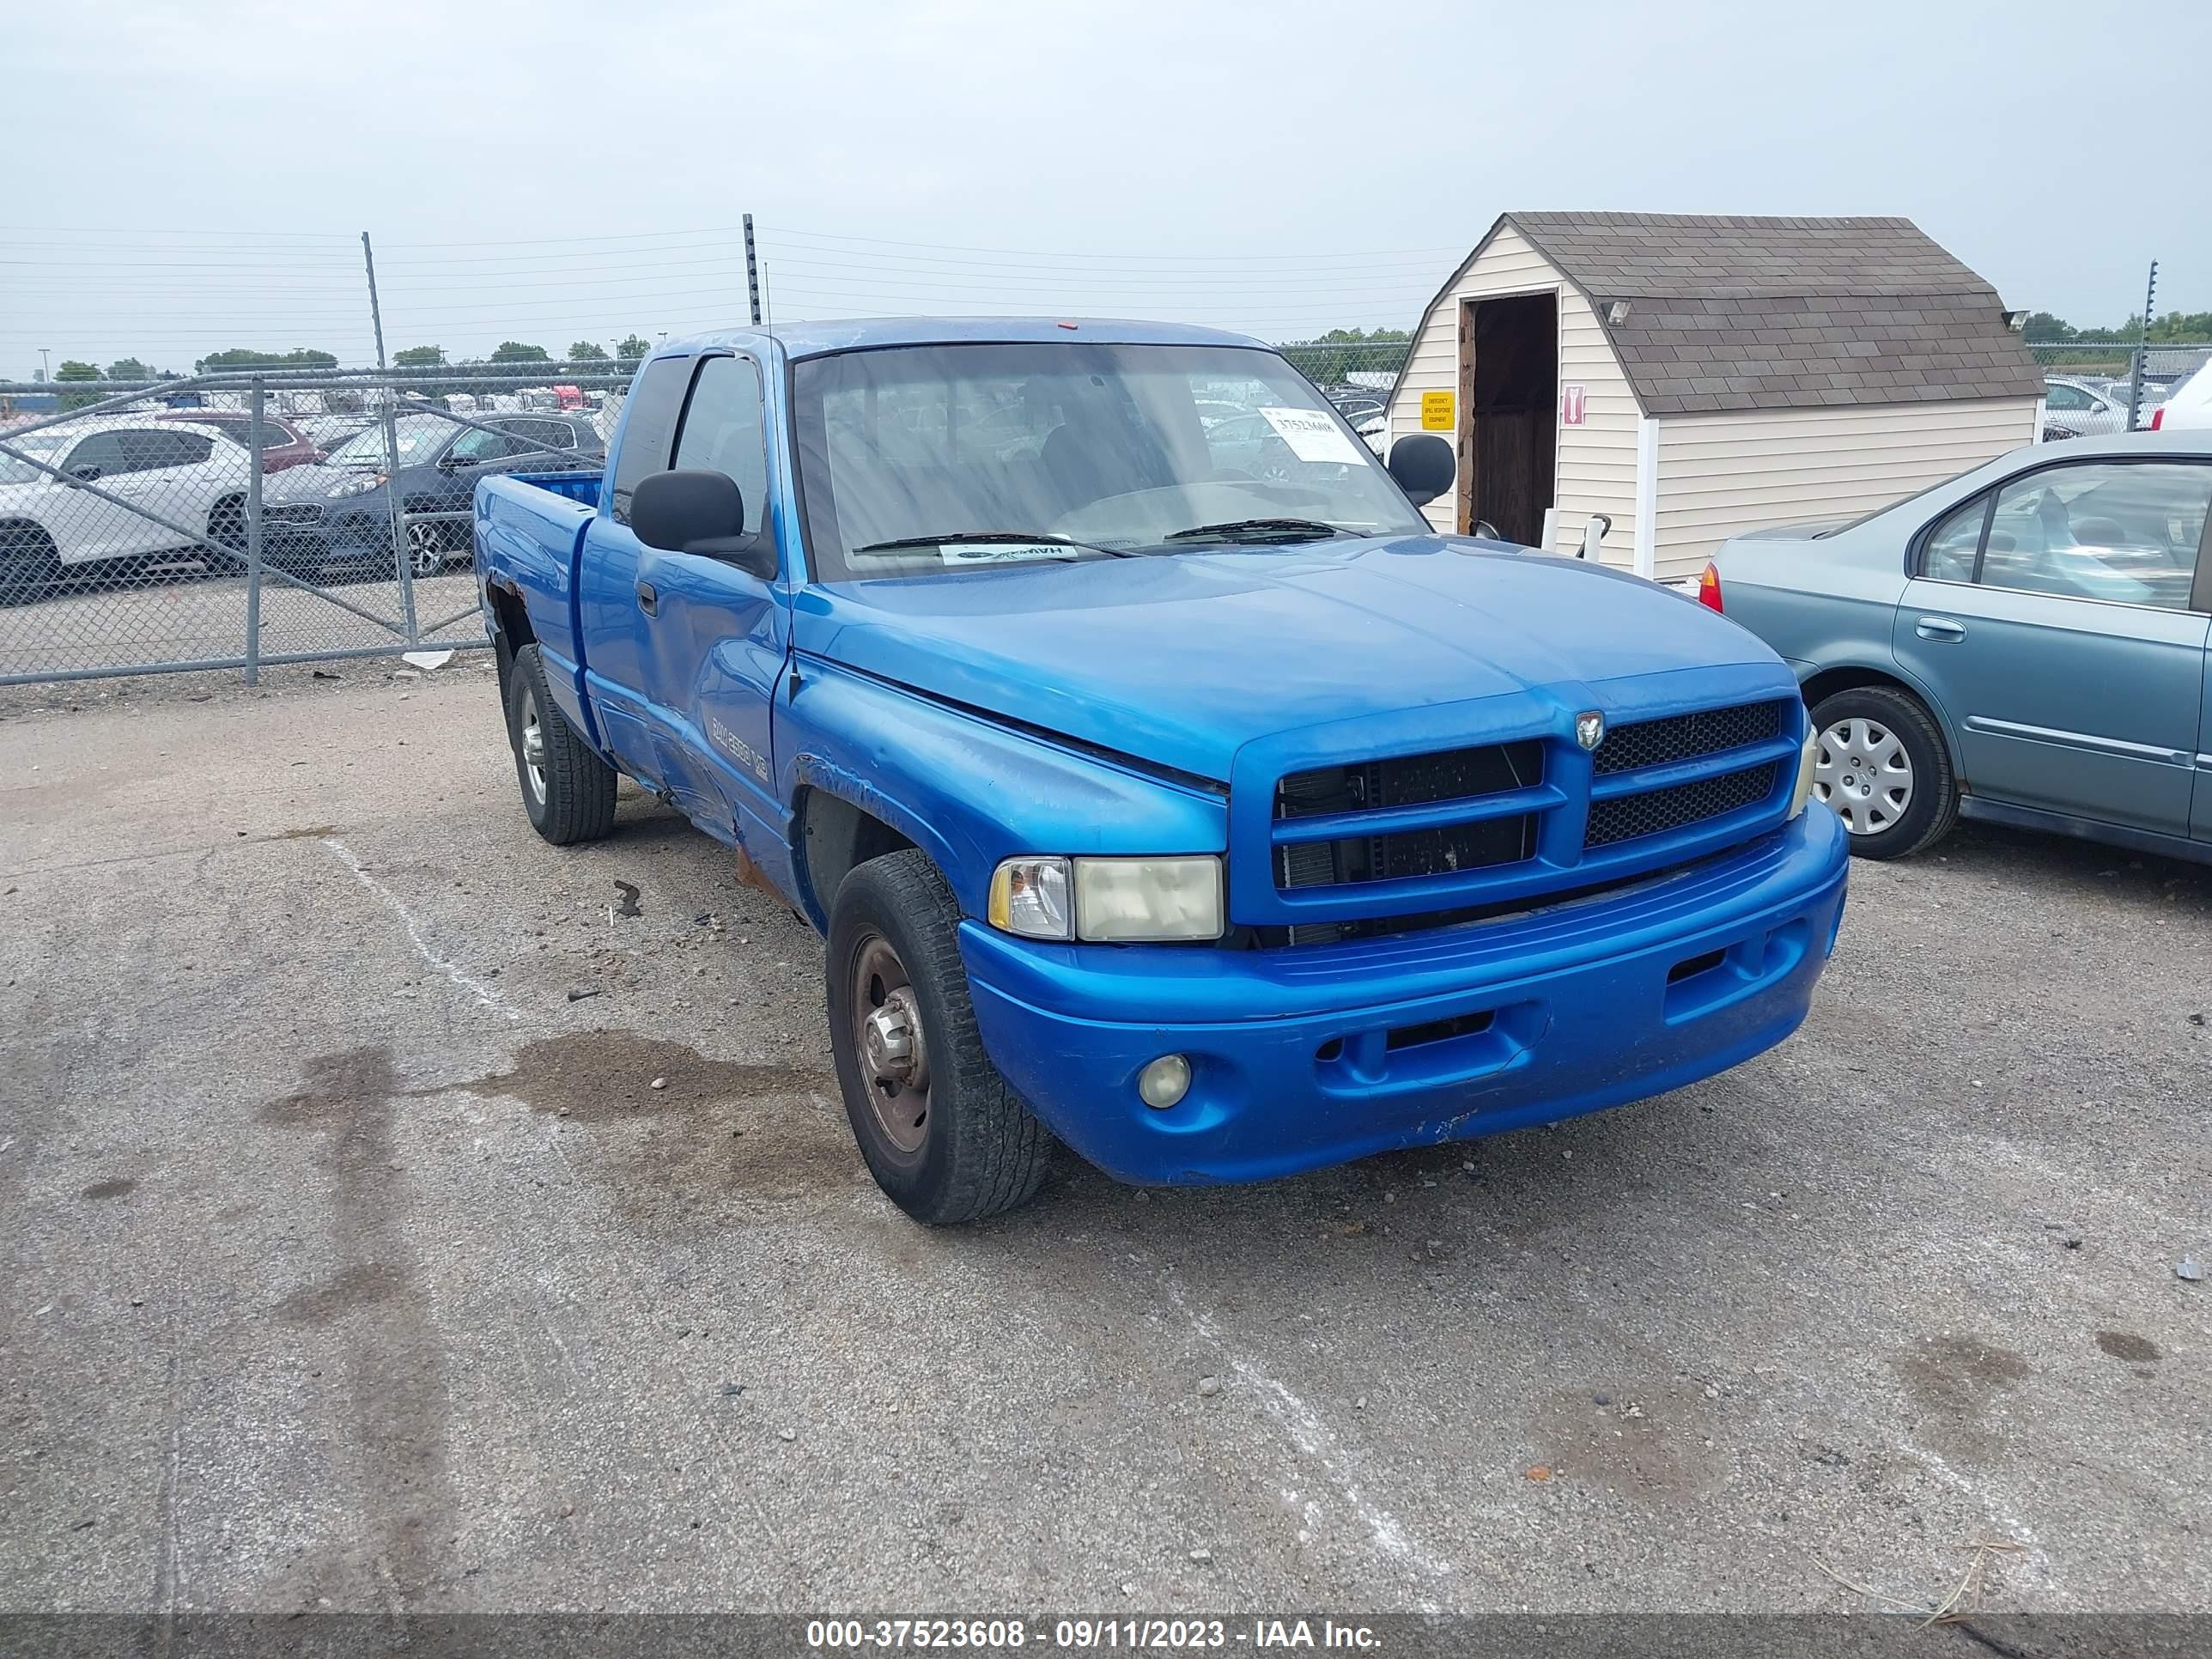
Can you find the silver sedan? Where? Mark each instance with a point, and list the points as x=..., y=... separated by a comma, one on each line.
x=2026, y=643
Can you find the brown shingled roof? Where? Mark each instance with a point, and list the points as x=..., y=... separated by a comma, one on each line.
x=1732, y=313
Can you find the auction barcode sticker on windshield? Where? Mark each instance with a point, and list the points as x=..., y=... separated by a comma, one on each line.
x=1311, y=435
x=1002, y=552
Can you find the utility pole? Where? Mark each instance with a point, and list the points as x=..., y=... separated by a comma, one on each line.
x=752, y=271
x=45, y=368
x=375, y=315
x=2143, y=343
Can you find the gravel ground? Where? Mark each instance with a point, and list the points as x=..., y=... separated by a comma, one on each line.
x=346, y=1261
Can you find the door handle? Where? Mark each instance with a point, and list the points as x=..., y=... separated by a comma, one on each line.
x=1939, y=627
x=648, y=600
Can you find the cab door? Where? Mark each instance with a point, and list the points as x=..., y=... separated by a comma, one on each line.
x=719, y=634
x=2051, y=617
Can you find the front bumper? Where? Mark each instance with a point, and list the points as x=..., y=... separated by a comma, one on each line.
x=1306, y=1057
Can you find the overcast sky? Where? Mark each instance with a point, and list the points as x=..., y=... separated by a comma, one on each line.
x=193, y=177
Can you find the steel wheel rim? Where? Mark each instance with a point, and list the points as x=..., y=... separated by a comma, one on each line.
x=423, y=552
x=888, y=1045
x=533, y=746
x=1862, y=770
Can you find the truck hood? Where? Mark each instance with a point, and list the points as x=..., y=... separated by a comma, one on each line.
x=1181, y=659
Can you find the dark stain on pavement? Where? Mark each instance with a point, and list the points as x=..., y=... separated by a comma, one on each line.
x=362, y=1286
x=1956, y=1380
x=2122, y=1345
x=370, y=1314
x=715, y=1132
x=600, y=1076
x=113, y=1186
x=312, y=832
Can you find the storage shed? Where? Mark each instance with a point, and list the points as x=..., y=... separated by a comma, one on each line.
x=1692, y=376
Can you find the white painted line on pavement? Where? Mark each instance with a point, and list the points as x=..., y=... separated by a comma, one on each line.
x=1312, y=1438
x=476, y=987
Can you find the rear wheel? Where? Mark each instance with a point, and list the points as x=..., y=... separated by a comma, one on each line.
x=426, y=549
x=1880, y=763
x=30, y=566
x=944, y=1135
x=567, y=791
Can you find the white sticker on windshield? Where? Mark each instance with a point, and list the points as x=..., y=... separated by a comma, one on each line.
x=1001, y=552
x=1311, y=435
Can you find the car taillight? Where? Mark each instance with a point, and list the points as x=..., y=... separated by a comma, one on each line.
x=2157, y=418
x=1709, y=587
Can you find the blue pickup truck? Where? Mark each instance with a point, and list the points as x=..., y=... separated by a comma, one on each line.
x=1190, y=803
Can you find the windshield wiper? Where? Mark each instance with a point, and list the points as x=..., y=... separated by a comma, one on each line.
x=1263, y=529
x=1027, y=538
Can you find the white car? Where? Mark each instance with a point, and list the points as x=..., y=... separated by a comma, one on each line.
x=53, y=529
x=2188, y=407
x=2077, y=409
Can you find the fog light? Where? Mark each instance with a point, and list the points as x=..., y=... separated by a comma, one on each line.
x=1165, y=1082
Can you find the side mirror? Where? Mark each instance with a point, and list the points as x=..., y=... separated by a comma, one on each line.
x=1423, y=464
x=85, y=474
x=700, y=512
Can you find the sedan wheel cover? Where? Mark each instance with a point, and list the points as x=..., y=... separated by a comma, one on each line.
x=1862, y=770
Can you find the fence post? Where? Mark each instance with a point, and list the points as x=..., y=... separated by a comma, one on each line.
x=397, y=513
x=257, y=442
x=2143, y=348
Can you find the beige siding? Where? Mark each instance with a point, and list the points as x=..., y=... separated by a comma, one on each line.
x=1720, y=475
x=1596, y=470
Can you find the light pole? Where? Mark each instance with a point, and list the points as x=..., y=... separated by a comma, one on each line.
x=45, y=369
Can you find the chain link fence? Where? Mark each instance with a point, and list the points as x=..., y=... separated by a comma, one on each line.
x=2092, y=386
x=232, y=521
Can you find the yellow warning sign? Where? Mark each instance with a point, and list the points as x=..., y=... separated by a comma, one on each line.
x=1439, y=411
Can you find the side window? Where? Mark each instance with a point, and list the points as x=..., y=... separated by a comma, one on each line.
x=103, y=451
x=1947, y=555
x=2065, y=397
x=656, y=399
x=474, y=447
x=172, y=449
x=2124, y=533
x=545, y=435
x=722, y=431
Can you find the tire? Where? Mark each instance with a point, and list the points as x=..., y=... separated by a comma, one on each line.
x=978, y=1150
x=570, y=792
x=30, y=566
x=1865, y=734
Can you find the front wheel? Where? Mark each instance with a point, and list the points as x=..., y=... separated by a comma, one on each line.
x=1880, y=763
x=30, y=564
x=944, y=1135
x=426, y=549
x=567, y=791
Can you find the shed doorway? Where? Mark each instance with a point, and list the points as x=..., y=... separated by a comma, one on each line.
x=1508, y=394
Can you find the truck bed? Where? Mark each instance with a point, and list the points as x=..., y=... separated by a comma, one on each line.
x=528, y=528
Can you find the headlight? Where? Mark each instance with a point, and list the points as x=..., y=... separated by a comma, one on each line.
x=361, y=484
x=1803, y=792
x=1108, y=901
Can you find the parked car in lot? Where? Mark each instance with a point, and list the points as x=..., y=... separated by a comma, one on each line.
x=2026, y=643
x=1221, y=825
x=282, y=444
x=2188, y=407
x=104, y=519
x=338, y=510
x=2078, y=409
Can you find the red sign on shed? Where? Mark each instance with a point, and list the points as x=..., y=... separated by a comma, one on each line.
x=1573, y=402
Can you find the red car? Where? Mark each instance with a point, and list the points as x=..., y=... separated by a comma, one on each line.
x=282, y=444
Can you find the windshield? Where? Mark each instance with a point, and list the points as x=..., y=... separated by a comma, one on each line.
x=420, y=436
x=920, y=459
x=46, y=448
